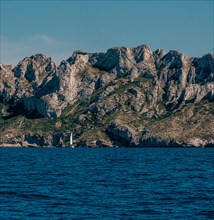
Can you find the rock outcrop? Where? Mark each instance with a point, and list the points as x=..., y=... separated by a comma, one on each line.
x=120, y=93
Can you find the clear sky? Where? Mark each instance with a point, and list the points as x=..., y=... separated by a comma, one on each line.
x=57, y=28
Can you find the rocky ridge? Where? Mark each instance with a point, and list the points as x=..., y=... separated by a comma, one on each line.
x=124, y=97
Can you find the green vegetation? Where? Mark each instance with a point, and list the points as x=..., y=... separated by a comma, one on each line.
x=129, y=104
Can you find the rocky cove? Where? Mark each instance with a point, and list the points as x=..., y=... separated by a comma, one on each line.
x=126, y=97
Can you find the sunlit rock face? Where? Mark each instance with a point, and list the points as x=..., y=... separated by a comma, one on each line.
x=40, y=85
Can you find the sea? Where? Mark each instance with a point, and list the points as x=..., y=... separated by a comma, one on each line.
x=107, y=183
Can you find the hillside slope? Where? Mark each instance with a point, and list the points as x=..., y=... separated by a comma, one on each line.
x=125, y=97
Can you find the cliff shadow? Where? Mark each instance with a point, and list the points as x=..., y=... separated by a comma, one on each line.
x=19, y=109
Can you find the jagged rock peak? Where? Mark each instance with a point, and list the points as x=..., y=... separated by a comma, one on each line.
x=159, y=51
x=31, y=66
x=39, y=57
x=38, y=80
x=78, y=55
x=142, y=53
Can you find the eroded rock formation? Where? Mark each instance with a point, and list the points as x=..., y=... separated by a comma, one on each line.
x=123, y=91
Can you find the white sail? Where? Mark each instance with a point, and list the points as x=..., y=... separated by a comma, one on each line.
x=71, y=139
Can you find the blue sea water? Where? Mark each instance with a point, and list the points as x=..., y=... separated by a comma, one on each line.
x=103, y=183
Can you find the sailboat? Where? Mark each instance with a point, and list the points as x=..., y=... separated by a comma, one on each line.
x=71, y=141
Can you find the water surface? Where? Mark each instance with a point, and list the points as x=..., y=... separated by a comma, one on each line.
x=144, y=183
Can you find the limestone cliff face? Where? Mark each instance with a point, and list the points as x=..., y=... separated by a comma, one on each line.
x=7, y=88
x=101, y=88
x=32, y=81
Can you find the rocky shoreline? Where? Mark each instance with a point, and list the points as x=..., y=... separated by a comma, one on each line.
x=146, y=143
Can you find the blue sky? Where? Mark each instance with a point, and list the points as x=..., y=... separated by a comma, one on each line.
x=57, y=28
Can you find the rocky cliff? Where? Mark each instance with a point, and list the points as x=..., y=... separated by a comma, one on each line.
x=125, y=97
